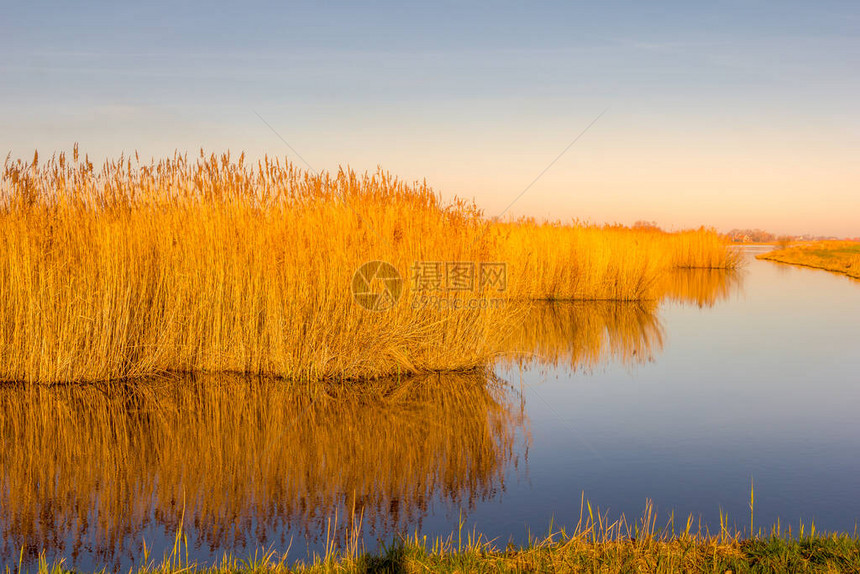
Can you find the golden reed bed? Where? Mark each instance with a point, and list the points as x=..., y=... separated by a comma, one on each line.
x=214, y=265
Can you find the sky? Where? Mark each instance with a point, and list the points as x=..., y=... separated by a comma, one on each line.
x=725, y=114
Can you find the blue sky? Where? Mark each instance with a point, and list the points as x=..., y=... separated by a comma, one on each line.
x=731, y=114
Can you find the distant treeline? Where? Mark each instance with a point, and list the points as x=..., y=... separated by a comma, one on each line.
x=762, y=236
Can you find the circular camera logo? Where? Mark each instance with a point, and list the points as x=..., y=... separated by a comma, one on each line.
x=377, y=286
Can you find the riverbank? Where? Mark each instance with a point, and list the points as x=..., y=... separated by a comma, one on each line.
x=836, y=256
x=584, y=551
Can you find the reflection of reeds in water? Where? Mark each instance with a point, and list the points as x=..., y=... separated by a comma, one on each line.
x=586, y=333
x=702, y=287
x=583, y=334
x=242, y=459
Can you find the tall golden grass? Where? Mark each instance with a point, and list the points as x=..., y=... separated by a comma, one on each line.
x=215, y=265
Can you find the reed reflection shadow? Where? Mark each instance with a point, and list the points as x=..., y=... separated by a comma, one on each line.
x=701, y=287
x=242, y=462
x=584, y=334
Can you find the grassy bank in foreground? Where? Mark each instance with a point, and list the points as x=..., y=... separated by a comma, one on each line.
x=580, y=552
x=213, y=265
x=837, y=256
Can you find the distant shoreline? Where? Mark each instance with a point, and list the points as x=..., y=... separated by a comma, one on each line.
x=836, y=256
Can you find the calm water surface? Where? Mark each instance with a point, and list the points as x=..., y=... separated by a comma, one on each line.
x=730, y=380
